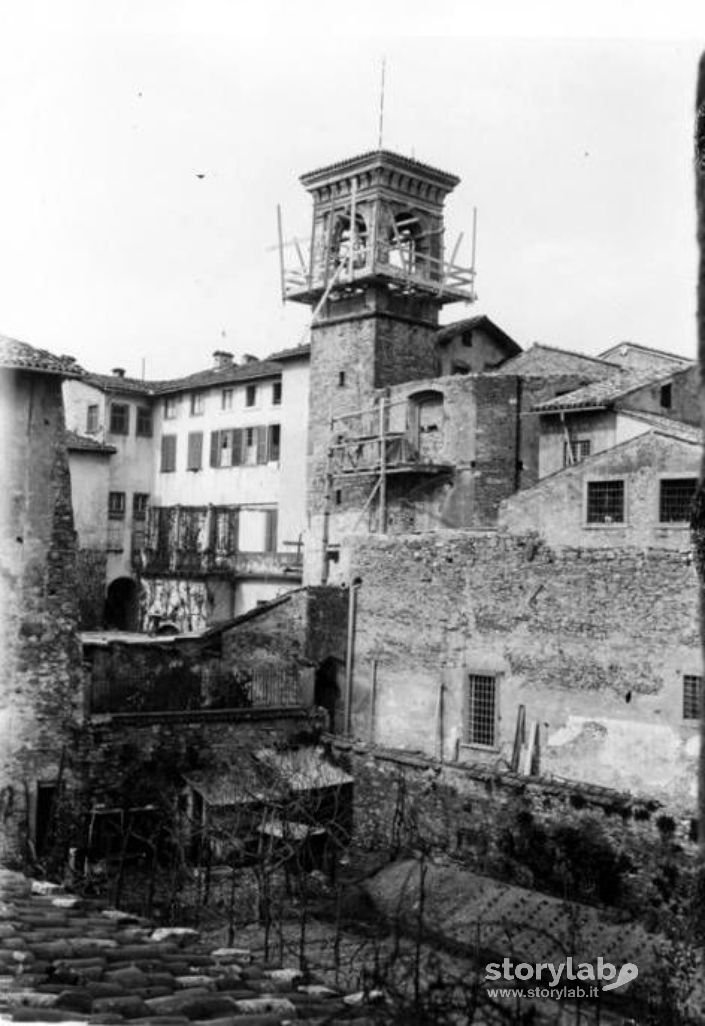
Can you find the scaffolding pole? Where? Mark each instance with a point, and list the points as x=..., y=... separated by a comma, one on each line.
x=382, y=468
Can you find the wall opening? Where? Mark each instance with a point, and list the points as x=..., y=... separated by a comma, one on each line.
x=328, y=693
x=122, y=605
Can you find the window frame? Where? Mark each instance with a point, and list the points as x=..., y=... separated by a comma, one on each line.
x=470, y=737
x=227, y=398
x=170, y=408
x=139, y=507
x=580, y=444
x=144, y=422
x=197, y=403
x=92, y=428
x=277, y=393
x=113, y=417
x=691, y=706
x=117, y=509
x=671, y=479
x=602, y=524
x=250, y=396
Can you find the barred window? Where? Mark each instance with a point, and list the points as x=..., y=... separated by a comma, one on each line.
x=168, y=453
x=577, y=450
x=119, y=418
x=692, y=696
x=480, y=727
x=605, y=502
x=676, y=499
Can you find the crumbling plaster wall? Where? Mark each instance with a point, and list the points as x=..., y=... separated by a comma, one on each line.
x=556, y=506
x=40, y=698
x=594, y=644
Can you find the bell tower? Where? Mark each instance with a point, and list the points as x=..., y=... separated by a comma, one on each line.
x=376, y=277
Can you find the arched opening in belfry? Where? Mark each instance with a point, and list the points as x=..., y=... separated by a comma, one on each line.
x=122, y=605
x=409, y=243
x=344, y=241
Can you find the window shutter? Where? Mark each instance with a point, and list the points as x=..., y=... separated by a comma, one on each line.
x=168, y=452
x=215, y=446
x=195, y=450
x=261, y=436
x=237, y=440
x=270, y=537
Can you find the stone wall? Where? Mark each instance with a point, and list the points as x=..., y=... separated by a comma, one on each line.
x=91, y=572
x=40, y=703
x=593, y=644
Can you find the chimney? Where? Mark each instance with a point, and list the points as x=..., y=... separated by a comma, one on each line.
x=249, y=358
x=222, y=359
x=119, y=372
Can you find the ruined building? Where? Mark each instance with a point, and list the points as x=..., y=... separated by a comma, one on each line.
x=41, y=703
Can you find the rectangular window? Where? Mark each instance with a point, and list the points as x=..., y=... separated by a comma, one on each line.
x=250, y=395
x=226, y=399
x=116, y=505
x=171, y=407
x=276, y=393
x=194, y=457
x=676, y=499
x=144, y=422
x=480, y=727
x=605, y=502
x=226, y=448
x=341, y=379
x=273, y=443
x=666, y=396
x=692, y=696
x=577, y=450
x=119, y=419
x=168, y=454
x=92, y=419
x=198, y=403
x=140, y=501
x=250, y=448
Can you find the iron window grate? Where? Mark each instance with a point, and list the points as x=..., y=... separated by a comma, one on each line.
x=692, y=696
x=481, y=710
x=605, y=502
x=676, y=500
x=576, y=451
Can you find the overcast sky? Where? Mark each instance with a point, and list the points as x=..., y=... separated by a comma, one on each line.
x=145, y=147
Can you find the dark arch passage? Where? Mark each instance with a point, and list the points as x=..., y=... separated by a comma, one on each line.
x=122, y=605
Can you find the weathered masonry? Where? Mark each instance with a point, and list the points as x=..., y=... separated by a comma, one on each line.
x=466, y=643
x=40, y=703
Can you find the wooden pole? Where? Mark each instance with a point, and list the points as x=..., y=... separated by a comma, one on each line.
x=281, y=253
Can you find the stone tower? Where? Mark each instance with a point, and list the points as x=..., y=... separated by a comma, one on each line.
x=376, y=279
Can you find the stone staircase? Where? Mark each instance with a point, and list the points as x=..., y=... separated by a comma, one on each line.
x=68, y=959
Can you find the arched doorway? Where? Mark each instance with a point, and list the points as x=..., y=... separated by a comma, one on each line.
x=426, y=421
x=122, y=605
x=328, y=693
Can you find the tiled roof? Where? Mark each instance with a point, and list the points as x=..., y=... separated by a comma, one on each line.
x=448, y=331
x=268, y=368
x=614, y=351
x=292, y=353
x=538, y=353
x=667, y=426
x=603, y=393
x=74, y=441
x=16, y=355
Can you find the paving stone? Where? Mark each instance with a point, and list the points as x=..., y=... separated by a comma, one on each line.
x=128, y=1005
x=130, y=978
x=181, y=934
x=278, y=1005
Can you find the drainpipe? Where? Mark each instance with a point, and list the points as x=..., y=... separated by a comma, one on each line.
x=352, y=609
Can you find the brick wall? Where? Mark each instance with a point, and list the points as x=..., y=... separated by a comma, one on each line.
x=41, y=694
x=594, y=644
